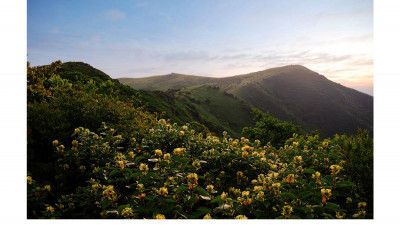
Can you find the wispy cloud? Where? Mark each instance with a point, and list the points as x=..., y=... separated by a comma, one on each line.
x=114, y=14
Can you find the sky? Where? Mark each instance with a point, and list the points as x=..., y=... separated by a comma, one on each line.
x=138, y=38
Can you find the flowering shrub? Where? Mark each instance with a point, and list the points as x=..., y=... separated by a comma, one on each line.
x=175, y=172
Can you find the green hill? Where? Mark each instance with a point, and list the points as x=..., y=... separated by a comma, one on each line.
x=207, y=105
x=290, y=93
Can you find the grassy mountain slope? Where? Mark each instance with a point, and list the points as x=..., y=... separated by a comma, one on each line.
x=165, y=82
x=210, y=106
x=291, y=93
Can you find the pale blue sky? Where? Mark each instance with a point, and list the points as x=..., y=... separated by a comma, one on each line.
x=136, y=38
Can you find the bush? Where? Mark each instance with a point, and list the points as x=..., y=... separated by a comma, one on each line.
x=174, y=172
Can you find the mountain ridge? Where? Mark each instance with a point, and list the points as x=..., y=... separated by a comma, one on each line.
x=291, y=93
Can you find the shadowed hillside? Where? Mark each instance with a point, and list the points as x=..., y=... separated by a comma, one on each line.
x=291, y=93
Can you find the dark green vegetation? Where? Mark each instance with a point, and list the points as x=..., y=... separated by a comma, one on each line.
x=270, y=130
x=290, y=93
x=123, y=162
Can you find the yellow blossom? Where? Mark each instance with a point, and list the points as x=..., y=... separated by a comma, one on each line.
x=131, y=154
x=326, y=193
x=223, y=196
x=335, y=169
x=50, y=209
x=207, y=216
x=241, y=217
x=47, y=188
x=362, y=204
x=55, y=143
x=245, y=193
x=298, y=159
x=29, y=179
x=167, y=156
x=127, y=212
x=143, y=167
x=210, y=188
x=340, y=215
x=163, y=191
x=95, y=187
x=158, y=152
x=287, y=211
x=160, y=216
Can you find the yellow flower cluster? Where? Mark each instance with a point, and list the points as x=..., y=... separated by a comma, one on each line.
x=29, y=179
x=335, y=169
x=275, y=188
x=47, y=188
x=287, y=211
x=326, y=194
x=193, y=180
x=241, y=217
x=179, y=151
x=273, y=176
x=95, y=187
x=163, y=191
x=121, y=164
x=160, y=217
x=196, y=164
x=109, y=192
x=290, y=178
x=298, y=159
x=210, y=188
x=127, y=212
x=144, y=167
x=158, y=152
x=50, y=209
x=223, y=196
x=340, y=215
x=317, y=177
x=207, y=216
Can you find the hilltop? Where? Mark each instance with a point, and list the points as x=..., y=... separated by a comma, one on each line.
x=291, y=93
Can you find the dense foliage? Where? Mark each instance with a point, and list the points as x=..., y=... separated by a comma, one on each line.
x=269, y=129
x=123, y=162
x=173, y=172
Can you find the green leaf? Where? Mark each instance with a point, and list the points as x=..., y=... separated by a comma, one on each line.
x=182, y=188
x=306, y=195
x=260, y=214
x=127, y=170
x=217, y=199
x=112, y=173
x=204, y=209
x=139, y=158
x=309, y=171
x=289, y=195
x=331, y=206
x=106, y=204
x=121, y=207
x=151, y=174
x=328, y=180
x=190, y=202
x=133, y=175
x=202, y=191
x=344, y=184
